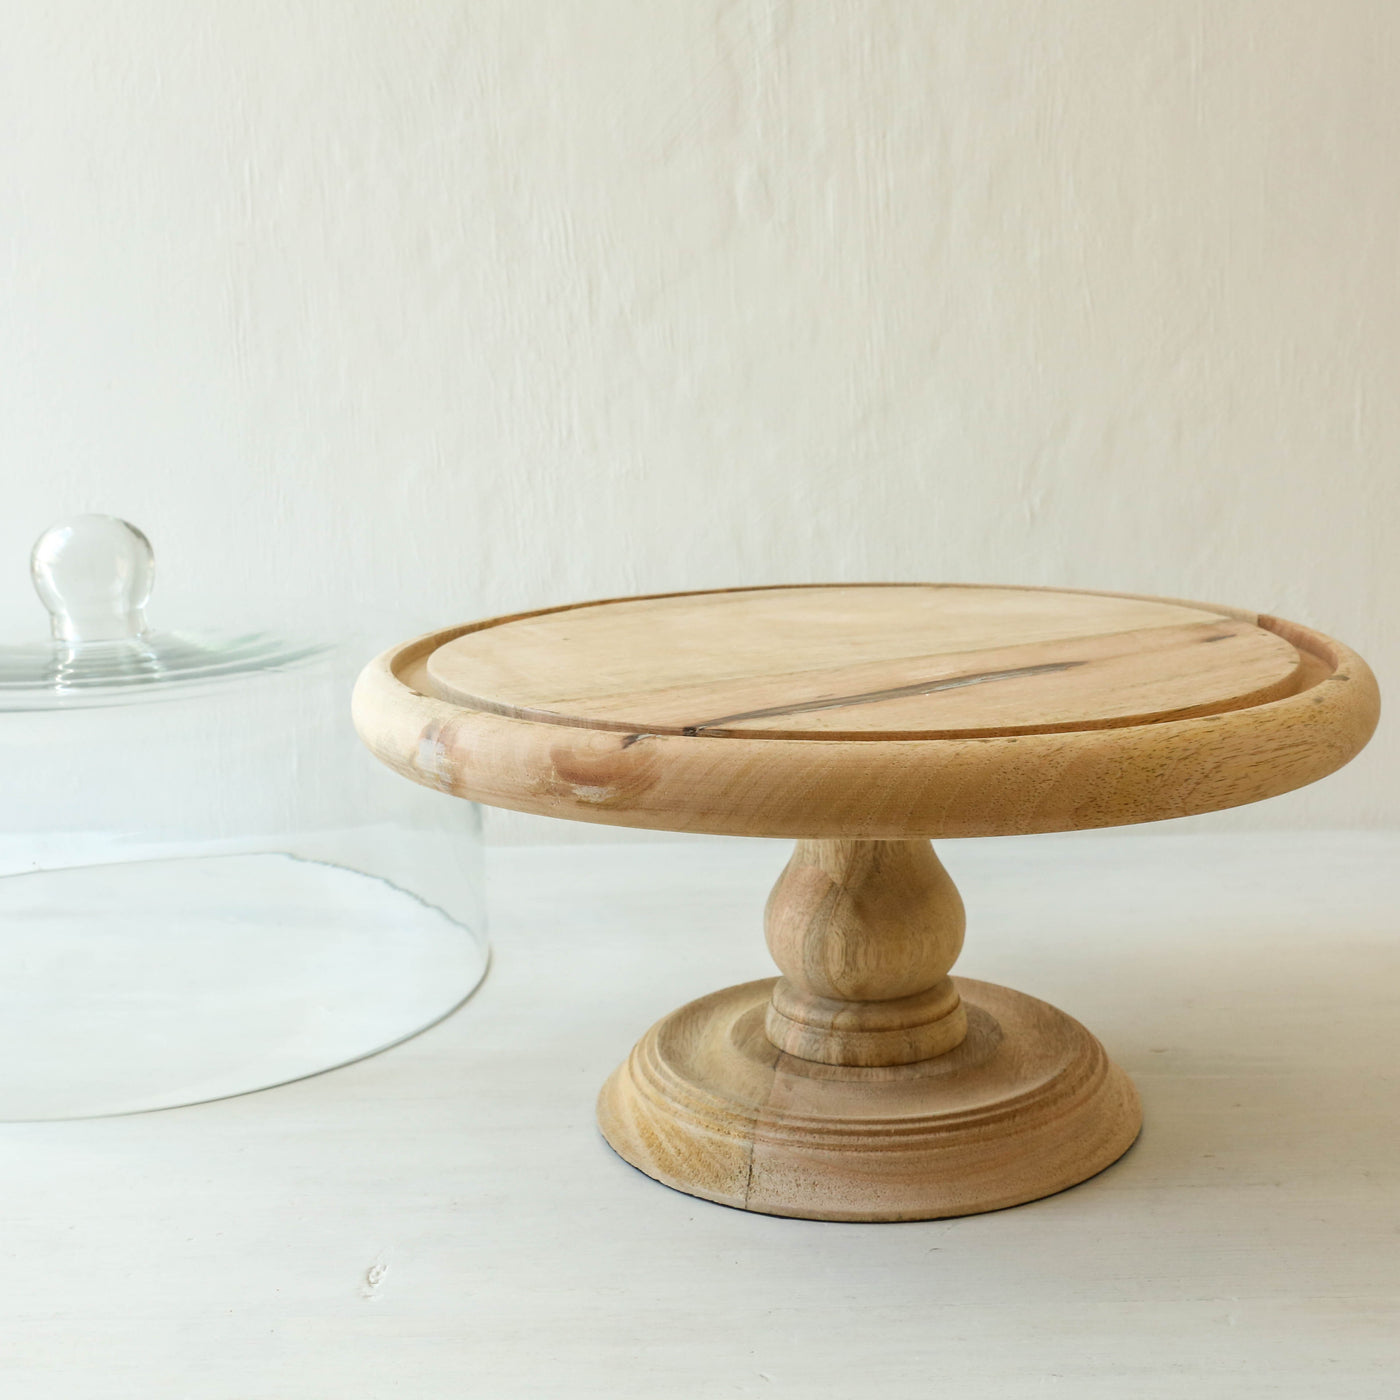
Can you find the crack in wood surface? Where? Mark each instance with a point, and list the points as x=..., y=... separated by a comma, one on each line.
x=870, y=697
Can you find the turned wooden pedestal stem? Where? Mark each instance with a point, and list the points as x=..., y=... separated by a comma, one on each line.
x=865, y=1083
x=868, y=1083
x=865, y=933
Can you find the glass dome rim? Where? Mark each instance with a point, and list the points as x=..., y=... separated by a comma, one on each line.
x=57, y=675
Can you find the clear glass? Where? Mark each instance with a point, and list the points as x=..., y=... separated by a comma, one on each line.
x=211, y=887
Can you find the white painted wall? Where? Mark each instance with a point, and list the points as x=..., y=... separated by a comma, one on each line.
x=389, y=314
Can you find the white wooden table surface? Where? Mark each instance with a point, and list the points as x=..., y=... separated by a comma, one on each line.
x=443, y=1220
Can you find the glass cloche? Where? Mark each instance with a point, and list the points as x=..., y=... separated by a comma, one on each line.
x=210, y=887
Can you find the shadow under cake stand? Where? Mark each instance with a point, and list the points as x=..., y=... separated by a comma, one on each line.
x=866, y=1083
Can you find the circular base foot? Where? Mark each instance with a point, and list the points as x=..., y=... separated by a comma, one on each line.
x=1027, y=1105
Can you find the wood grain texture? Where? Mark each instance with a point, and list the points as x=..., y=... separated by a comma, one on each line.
x=901, y=661
x=1026, y=1105
x=860, y=1085
x=875, y=788
x=865, y=933
x=865, y=1083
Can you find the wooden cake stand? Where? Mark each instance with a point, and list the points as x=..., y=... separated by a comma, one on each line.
x=865, y=1083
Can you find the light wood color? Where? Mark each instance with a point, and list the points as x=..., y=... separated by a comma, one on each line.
x=866, y=1083
x=895, y=662
x=1026, y=1105
x=1036, y=775
x=865, y=933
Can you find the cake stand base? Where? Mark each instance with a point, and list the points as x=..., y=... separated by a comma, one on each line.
x=1027, y=1105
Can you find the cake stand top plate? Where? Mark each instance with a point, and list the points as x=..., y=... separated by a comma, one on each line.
x=875, y=710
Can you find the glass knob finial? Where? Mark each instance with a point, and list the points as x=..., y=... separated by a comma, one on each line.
x=94, y=575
